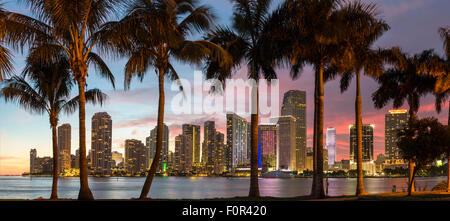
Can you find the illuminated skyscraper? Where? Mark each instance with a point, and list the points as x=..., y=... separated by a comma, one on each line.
x=183, y=154
x=286, y=143
x=212, y=148
x=394, y=120
x=101, y=143
x=134, y=157
x=237, y=132
x=367, y=143
x=331, y=145
x=64, y=145
x=193, y=131
x=219, y=155
x=294, y=104
x=268, y=146
x=163, y=160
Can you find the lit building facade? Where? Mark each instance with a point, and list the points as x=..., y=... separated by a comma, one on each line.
x=286, y=143
x=101, y=153
x=117, y=158
x=294, y=104
x=64, y=147
x=237, y=142
x=268, y=146
x=183, y=154
x=367, y=143
x=40, y=165
x=164, y=159
x=134, y=157
x=393, y=121
x=193, y=131
x=331, y=145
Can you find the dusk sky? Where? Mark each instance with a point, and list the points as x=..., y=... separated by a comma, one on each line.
x=414, y=25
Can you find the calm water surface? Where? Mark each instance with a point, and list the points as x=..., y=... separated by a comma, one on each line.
x=17, y=187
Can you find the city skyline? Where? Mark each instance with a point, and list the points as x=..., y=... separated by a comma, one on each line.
x=17, y=123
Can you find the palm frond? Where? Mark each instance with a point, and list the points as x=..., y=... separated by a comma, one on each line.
x=101, y=67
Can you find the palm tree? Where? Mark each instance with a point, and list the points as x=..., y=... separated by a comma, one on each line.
x=363, y=60
x=245, y=41
x=47, y=91
x=154, y=33
x=406, y=81
x=314, y=32
x=71, y=29
x=442, y=88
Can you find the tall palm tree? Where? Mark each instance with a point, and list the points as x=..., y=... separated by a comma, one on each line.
x=153, y=33
x=364, y=60
x=406, y=81
x=71, y=29
x=245, y=42
x=442, y=88
x=47, y=91
x=314, y=32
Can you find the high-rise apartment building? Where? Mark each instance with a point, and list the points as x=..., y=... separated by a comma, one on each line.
x=183, y=154
x=193, y=131
x=134, y=157
x=286, y=144
x=209, y=147
x=164, y=159
x=331, y=145
x=237, y=142
x=219, y=155
x=294, y=104
x=393, y=121
x=101, y=144
x=268, y=146
x=64, y=146
x=117, y=158
x=367, y=143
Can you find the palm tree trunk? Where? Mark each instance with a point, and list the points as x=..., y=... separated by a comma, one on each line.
x=54, y=194
x=317, y=188
x=159, y=135
x=85, y=193
x=254, y=187
x=411, y=181
x=358, y=124
x=412, y=116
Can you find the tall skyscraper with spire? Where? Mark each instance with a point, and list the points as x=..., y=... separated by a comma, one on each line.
x=331, y=145
x=294, y=104
x=101, y=155
x=64, y=146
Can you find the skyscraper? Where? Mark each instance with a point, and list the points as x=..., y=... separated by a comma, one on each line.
x=331, y=145
x=394, y=120
x=33, y=156
x=193, y=131
x=268, y=146
x=219, y=156
x=237, y=133
x=163, y=160
x=134, y=157
x=183, y=154
x=64, y=146
x=286, y=143
x=294, y=104
x=367, y=143
x=209, y=146
x=101, y=144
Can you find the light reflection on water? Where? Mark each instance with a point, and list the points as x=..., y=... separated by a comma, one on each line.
x=194, y=188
